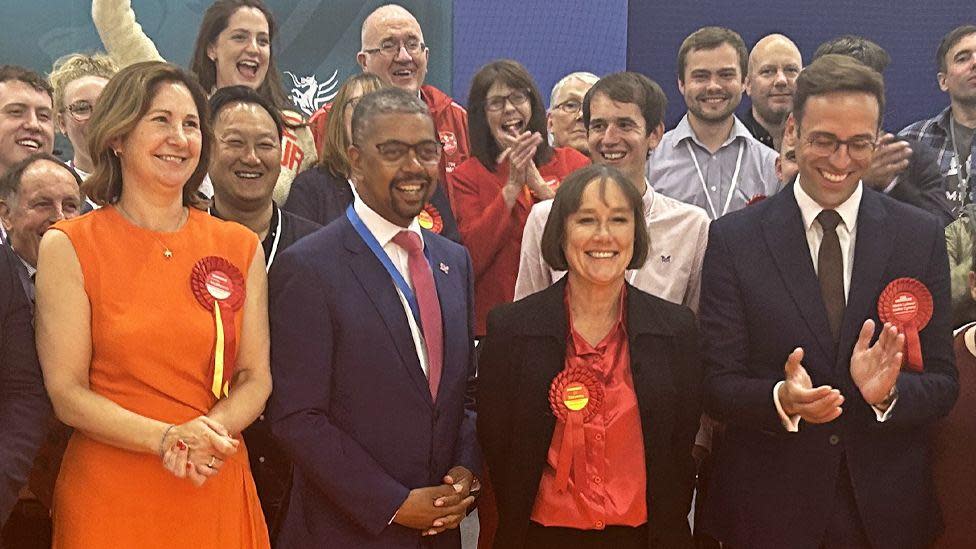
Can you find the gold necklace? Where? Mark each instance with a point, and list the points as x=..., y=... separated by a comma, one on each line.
x=167, y=253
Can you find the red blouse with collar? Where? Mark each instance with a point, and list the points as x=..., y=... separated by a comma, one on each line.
x=616, y=491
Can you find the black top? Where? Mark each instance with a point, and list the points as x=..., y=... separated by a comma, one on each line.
x=269, y=464
x=756, y=129
x=322, y=197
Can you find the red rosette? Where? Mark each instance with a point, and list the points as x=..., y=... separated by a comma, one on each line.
x=756, y=199
x=429, y=218
x=219, y=287
x=907, y=303
x=575, y=396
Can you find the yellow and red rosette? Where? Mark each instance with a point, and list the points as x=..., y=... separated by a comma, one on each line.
x=907, y=303
x=430, y=219
x=219, y=286
x=575, y=396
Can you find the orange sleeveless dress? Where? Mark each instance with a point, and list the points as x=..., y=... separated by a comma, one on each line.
x=151, y=353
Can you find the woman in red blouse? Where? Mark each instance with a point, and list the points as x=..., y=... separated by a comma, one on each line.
x=590, y=391
x=512, y=168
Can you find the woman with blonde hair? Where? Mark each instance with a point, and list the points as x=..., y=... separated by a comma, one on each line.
x=152, y=332
x=78, y=80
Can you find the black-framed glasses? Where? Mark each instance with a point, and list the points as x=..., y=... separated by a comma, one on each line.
x=825, y=144
x=428, y=151
x=81, y=110
x=497, y=103
x=570, y=106
x=390, y=48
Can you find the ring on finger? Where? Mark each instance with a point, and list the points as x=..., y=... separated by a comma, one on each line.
x=213, y=461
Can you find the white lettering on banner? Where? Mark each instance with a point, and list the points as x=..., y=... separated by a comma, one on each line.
x=308, y=95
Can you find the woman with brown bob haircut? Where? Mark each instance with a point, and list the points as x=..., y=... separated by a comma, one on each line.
x=234, y=47
x=512, y=167
x=152, y=332
x=589, y=392
x=323, y=193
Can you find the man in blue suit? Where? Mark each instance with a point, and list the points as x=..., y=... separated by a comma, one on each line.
x=826, y=440
x=372, y=353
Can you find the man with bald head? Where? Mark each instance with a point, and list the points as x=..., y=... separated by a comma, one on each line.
x=393, y=48
x=774, y=64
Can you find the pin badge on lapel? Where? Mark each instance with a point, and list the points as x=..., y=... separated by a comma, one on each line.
x=444, y=268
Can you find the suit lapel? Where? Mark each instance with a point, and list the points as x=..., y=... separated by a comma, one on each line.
x=650, y=367
x=872, y=248
x=787, y=243
x=378, y=285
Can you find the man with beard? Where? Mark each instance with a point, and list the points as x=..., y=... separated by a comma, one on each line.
x=565, y=116
x=951, y=131
x=710, y=159
x=372, y=353
x=244, y=168
x=393, y=48
x=774, y=64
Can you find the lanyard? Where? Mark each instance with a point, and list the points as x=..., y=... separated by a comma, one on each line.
x=735, y=180
x=381, y=254
x=274, y=244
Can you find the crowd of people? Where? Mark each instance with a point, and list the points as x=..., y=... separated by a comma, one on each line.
x=223, y=325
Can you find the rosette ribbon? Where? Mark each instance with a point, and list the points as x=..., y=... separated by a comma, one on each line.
x=907, y=303
x=575, y=396
x=219, y=287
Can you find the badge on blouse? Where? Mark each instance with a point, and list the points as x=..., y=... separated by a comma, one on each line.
x=907, y=303
x=429, y=218
x=575, y=396
x=219, y=287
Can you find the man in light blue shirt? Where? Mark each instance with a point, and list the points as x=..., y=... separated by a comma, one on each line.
x=711, y=159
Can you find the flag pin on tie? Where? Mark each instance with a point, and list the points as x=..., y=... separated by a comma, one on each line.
x=444, y=268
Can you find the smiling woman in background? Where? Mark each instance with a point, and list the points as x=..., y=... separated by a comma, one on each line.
x=512, y=168
x=233, y=48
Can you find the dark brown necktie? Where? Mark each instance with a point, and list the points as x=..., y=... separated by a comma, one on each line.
x=830, y=270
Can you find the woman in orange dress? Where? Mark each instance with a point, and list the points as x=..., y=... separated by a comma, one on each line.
x=152, y=332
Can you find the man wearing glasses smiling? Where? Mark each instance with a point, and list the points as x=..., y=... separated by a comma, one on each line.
x=791, y=292
x=373, y=352
x=393, y=48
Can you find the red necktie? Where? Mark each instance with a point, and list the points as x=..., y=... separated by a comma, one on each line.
x=430, y=307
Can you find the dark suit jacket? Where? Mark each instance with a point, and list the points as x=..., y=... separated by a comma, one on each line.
x=24, y=406
x=761, y=299
x=351, y=405
x=525, y=349
x=320, y=196
x=922, y=184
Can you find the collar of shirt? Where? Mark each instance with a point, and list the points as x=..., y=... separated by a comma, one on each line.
x=809, y=209
x=943, y=119
x=383, y=229
x=617, y=334
x=31, y=271
x=647, y=199
x=684, y=131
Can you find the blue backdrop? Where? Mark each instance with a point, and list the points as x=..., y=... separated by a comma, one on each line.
x=909, y=31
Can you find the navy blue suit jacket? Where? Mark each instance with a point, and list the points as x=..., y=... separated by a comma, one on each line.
x=761, y=299
x=351, y=404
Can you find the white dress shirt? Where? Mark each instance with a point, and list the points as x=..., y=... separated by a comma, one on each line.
x=847, y=235
x=384, y=231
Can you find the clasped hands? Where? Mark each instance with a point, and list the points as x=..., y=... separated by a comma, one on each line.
x=196, y=450
x=522, y=172
x=435, y=509
x=874, y=369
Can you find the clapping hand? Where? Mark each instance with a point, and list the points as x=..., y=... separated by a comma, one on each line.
x=891, y=157
x=196, y=449
x=875, y=369
x=797, y=395
x=520, y=155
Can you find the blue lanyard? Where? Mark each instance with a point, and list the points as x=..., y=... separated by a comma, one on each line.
x=380, y=254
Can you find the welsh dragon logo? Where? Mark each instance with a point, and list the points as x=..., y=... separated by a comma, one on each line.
x=308, y=95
